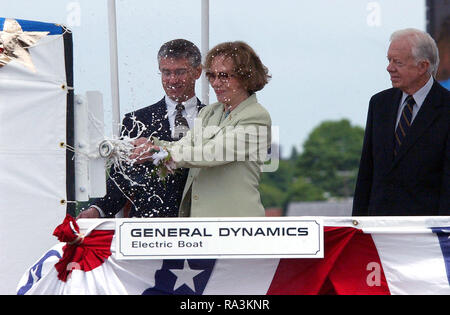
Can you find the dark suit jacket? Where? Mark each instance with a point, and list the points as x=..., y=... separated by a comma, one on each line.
x=151, y=197
x=417, y=180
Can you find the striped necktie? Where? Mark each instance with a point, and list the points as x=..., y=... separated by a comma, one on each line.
x=404, y=123
x=181, y=124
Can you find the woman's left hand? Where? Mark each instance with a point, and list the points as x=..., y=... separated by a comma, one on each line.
x=143, y=151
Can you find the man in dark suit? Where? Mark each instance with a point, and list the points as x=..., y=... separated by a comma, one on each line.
x=405, y=162
x=140, y=188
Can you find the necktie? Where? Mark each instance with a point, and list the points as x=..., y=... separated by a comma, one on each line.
x=404, y=123
x=181, y=124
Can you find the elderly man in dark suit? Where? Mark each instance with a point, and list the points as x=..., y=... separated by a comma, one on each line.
x=180, y=66
x=405, y=162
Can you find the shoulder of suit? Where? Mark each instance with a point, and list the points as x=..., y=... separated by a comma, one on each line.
x=387, y=92
x=385, y=96
x=159, y=106
x=210, y=108
x=444, y=92
x=251, y=109
x=256, y=106
x=261, y=112
x=255, y=113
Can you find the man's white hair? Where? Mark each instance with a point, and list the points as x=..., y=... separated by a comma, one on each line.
x=423, y=47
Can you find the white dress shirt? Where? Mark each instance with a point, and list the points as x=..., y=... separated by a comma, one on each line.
x=419, y=98
x=190, y=111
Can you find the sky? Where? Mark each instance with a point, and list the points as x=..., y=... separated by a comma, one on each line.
x=326, y=57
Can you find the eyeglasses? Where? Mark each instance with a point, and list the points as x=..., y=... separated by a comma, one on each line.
x=222, y=76
x=176, y=73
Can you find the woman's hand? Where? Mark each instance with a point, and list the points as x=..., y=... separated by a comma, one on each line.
x=143, y=151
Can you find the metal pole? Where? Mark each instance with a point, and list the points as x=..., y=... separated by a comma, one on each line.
x=114, y=66
x=205, y=48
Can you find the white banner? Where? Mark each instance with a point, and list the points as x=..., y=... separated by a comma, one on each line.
x=160, y=238
x=367, y=255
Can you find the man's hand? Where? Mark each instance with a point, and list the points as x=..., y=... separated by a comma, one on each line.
x=144, y=149
x=90, y=213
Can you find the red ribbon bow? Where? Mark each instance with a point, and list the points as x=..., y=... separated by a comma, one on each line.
x=81, y=253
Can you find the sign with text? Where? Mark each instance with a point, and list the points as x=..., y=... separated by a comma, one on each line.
x=210, y=238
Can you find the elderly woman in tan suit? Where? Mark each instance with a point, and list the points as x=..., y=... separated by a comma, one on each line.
x=230, y=140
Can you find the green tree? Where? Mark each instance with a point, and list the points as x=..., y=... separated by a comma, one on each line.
x=282, y=177
x=330, y=157
x=274, y=185
x=271, y=196
x=281, y=187
x=302, y=190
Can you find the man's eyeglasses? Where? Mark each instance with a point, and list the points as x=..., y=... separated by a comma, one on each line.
x=222, y=76
x=177, y=73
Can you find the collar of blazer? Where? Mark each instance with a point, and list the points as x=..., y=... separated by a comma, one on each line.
x=424, y=119
x=214, y=115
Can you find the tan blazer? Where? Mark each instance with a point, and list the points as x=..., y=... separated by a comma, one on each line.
x=224, y=155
